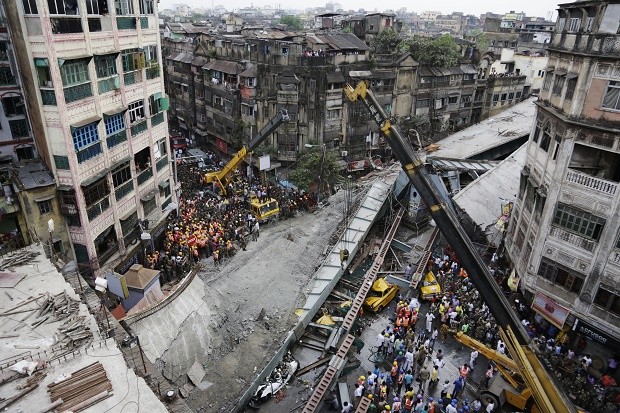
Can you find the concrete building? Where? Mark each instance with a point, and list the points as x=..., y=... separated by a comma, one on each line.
x=564, y=235
x=94, y=91
x=16, y=140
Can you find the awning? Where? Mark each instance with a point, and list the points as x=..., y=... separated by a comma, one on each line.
x=65, y=188
x=201, y=132
x=571, y=76
x=129, y=214
x=164, y=184
x=120, y=162
x=335, y=77
x=560, y=72
x=249, y=72
x=84, y=57
x=157, y=95
x=41, y=62
x=149, y=195
x=110, y=53
x=115, y=111
x=44, y=198
x=87, y=121
x=94, y=178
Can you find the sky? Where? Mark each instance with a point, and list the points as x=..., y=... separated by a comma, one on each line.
x=540, y=8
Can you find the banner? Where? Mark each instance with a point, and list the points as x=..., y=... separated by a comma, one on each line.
x=552, y=311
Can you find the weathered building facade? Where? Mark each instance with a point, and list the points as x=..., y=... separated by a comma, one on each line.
x=94, y=90
x=564, y=237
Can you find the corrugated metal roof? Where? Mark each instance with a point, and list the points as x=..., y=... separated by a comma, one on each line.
x=469, y=69
x=223, y=66
x=249, y=72
x=344, y=41
x=182, y=57
x=198, y=61
x=335, y=77
x=382, y=74
x=34, y=175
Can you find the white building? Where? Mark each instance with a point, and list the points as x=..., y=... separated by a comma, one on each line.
x=95, y=92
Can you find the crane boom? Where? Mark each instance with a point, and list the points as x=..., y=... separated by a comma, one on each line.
x=223, y=176
x=549, y=398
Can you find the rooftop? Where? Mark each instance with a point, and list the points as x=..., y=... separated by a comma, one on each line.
x=33, y=174
x=501, y=129
x=25, y=334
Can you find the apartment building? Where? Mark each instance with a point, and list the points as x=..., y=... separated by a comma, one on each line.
x=564, y=238
x=94, y=90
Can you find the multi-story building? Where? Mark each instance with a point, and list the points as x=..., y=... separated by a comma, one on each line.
x=16, y=142
x=95, y=94
x=564, y=239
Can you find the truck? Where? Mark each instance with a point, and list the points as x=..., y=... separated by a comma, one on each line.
x=548, y=396
x=224, y=176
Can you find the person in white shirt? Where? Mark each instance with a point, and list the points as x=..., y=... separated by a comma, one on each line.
x=490, y=406
x=472, y=358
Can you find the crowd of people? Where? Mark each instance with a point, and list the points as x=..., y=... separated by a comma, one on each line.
x=412, y=350
x=215, y=224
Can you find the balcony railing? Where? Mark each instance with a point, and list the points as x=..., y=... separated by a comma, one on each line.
x=48, y=96
x=105, y=256
x=145, y=176
x=152, y=72
x=88, y=153
x=589, y=181
x=97, y=209
x=161, y=163
x=157, y=119
x=123, y=190
x=126, y=23
x=138, y=128
x=77, y=92
x=109, y=84
x=117, y=138
x=288, y=95
x=573, y=239
x=133, y=77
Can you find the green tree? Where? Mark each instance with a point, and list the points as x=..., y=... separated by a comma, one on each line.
x=441, y=52
x=316, y=166
x=293, y=22
x=386, y=42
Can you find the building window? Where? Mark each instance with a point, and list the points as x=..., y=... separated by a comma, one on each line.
x=13, y=106
x=247, y=110
x=96, y=191
x=129, y=224
x=45, y=207
x=114, y=123
x=149, y=206
x=578, y=221
x=453, y=99
x=106, y=65
x=146, y=6
x=558, y=84
x=495, y=97
x=333, y=114
x=612, y=96
x=30, y=6
x=511, y=95
x=570, y=281
x=570, y=88
x=6, y=76
x=74, y=72
x=68, y=7
x=24, y=152
x=545, y=139
x=85, y=136
x=541, y=73
x=558, y=141
x=250, y=81
x=124, y=7
x=136, y=111
x=121, y=175
x=548, y=79
x=518, y=95
x=97, y=6
x=606, y=298
x=61, y=162
x=422, y=103
x=133, y=59
x=575, y=24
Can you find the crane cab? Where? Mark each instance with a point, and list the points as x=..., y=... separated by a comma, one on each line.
x=264, y=211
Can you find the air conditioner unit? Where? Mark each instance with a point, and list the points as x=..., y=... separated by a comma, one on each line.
x=343, y=153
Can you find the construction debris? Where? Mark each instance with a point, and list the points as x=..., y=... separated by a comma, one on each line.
x=31, y=384
x=82, y=389
x=19, y=258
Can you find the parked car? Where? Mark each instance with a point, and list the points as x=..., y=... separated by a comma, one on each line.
x=380, y=295
x=430, y=288
x=178, y=142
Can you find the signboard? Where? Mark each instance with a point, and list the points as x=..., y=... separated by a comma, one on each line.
x=264, y=162
x=597, y=335
x=191, y=241
x=552, y=311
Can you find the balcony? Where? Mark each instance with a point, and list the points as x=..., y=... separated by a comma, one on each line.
x=117, y=138
x=97, y=209
x=62, y=25
x=289, y=96
x=123, y=190
x=78, y=92
x=89, y=152
x=157, y=119
x=48, y=96
x=138, y=128
x=591, y=182
x=133, y=77
x=126, y=23
x=573, y=239
x=145, y=176
x=105, y=256
x=152, y=72
x=109, y=84
x=161, y=163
